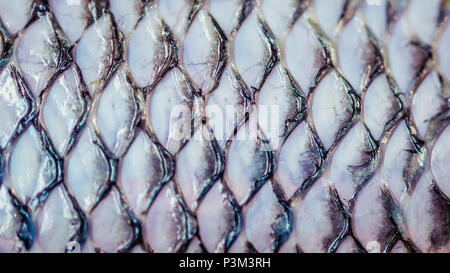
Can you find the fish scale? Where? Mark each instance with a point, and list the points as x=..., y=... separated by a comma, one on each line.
x=224, y=126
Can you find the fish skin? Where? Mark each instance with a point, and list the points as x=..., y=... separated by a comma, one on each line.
x=90, y=160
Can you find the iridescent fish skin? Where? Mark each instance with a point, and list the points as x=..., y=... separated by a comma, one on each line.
x=224, y=126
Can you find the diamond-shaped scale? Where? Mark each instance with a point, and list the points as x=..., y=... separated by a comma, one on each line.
x=427, y=230
x=266, y=221
x=167, y=216
x=31, y=168
x=13, y=107
x=304, y=54
x=358, y=57
x=113, y=227
x=97, y=52
x=353, y=163
x=217, y=219
x=87, y=170
x=403, y=162
x=152, y=49
x=204, y=52
x=371, y=222
x=318, y=221
x=116, y=113
x=145, y=168
x=227, y=106
x=279, y=106
x=428, y=101
x=332, y=108
x=63, y=108
x=248, y=162
x=254, y=50
x=380, y=106
x=300, y=159
x=169, y=110
x=41, y=53
x=59, y=227
x=198, y=166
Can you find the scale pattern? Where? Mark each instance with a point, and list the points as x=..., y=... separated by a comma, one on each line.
x=359, y=162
